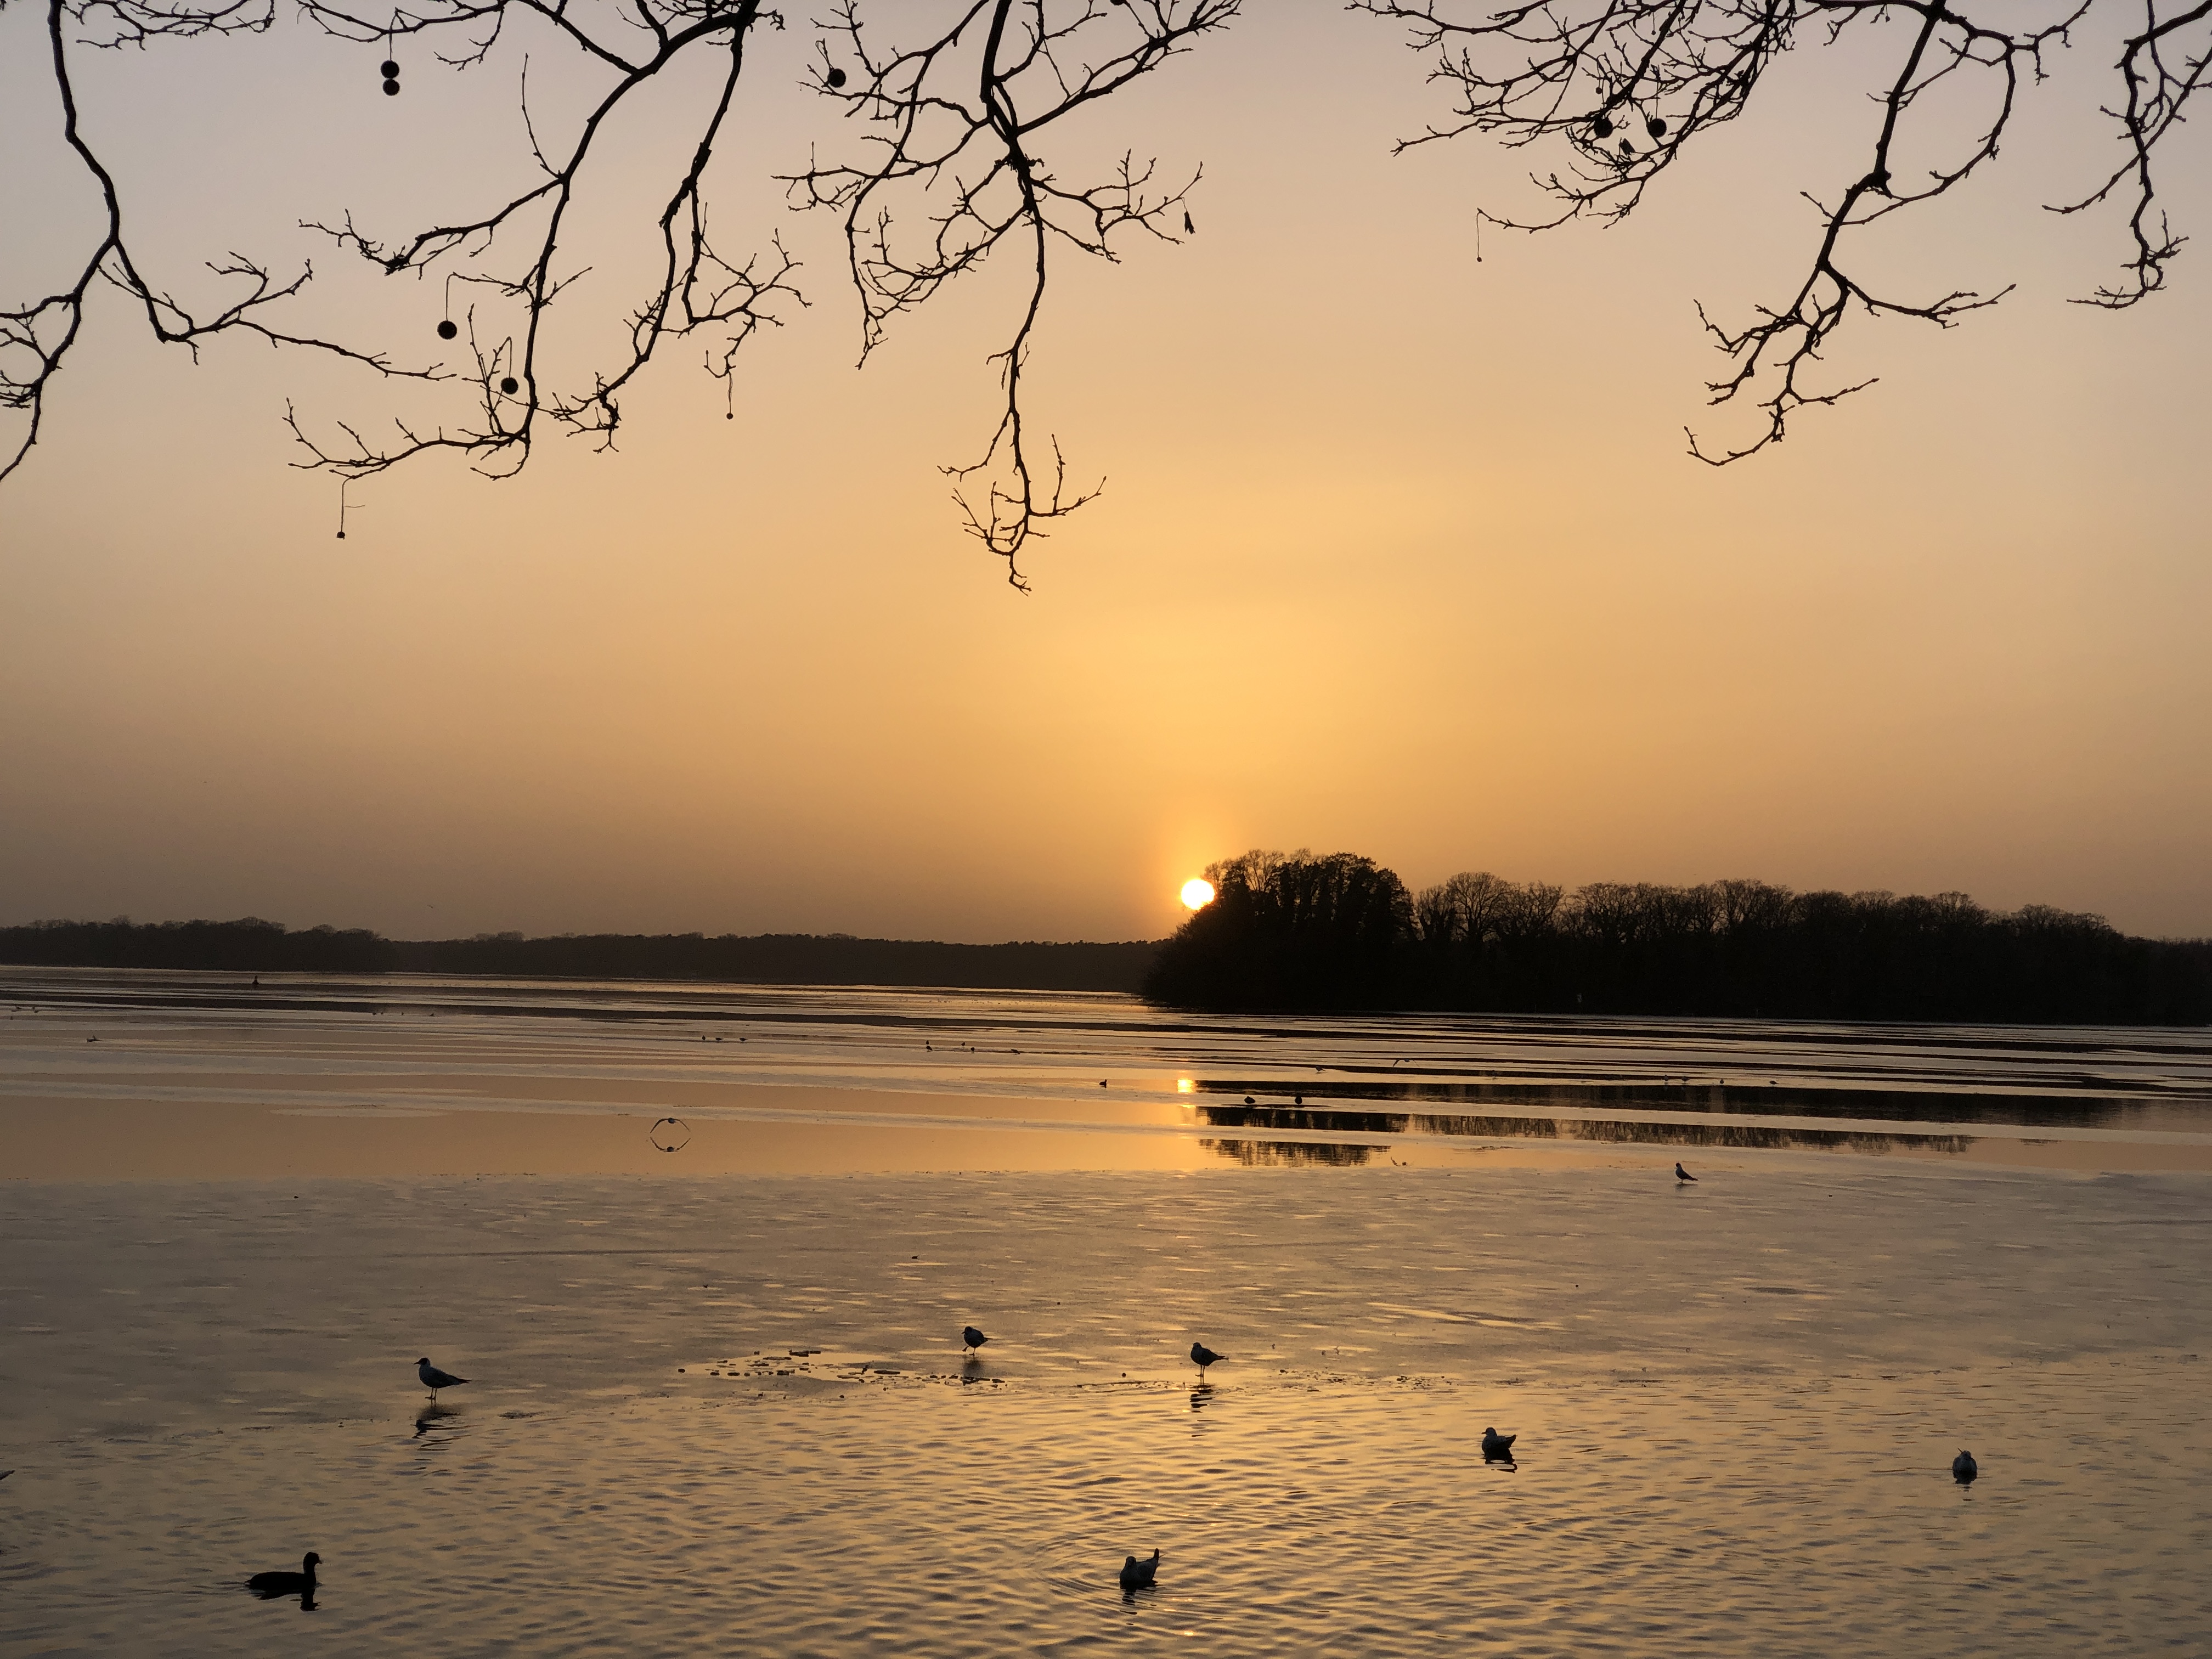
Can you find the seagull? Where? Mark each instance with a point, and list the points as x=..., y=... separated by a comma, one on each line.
x=1495, y=1445
x=268, y=1585
x=1964, y=1469
x=1681, y=1174
x=1138, y=1575
x=434, y=1379
x=1202, y=1356
x=972, y=1337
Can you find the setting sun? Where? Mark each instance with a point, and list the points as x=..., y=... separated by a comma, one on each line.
x=1197, y=893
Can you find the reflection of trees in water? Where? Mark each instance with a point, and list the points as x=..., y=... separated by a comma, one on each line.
x=2040, y=1110
x=1723, y=1134
x=1718, y=1133
x=1305, y=1117
x=1255, y=1154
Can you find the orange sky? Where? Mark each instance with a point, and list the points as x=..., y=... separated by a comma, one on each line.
x=1399, y=554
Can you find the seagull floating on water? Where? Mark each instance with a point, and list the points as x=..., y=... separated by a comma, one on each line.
x=1495, y=1445
x=971, y=1338
x=1202, y=1356
x=1138, y=1575
x=1964, y=1469
x=269, y=1585
x=1681, y=1174
x=434, y=1379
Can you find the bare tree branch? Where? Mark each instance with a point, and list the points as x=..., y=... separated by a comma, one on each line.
x=696, y=291
x=1627, y=85
x=956, y=131
x=953, y=134
x=37, y=337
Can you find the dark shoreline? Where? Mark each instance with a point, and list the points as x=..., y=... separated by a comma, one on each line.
x=251, y=946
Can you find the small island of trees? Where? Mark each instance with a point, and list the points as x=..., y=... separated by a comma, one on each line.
x=1336, y=931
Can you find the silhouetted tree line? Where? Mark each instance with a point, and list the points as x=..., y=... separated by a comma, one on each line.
x=248, y=945
x=1339, y=932
x=257, y=946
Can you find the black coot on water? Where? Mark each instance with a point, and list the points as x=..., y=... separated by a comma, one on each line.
x=1140, y=1575
x=269, y=1585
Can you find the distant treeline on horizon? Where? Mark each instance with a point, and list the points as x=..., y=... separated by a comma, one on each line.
x=251, y=946
x=1302, y=931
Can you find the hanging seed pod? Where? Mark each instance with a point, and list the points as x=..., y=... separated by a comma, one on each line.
x=392, y=89
x=1655, y=127
x=510, y=385
x=836, y=77
x=1603, y=127
x=388, y=69
x=447, y=330
x=1627, y=148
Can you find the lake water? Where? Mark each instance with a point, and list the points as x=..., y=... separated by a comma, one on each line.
x=719, y=1401
x=103, y=1074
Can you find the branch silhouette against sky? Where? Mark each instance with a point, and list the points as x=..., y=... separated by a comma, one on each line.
x=1625, y=87
x=947, y=141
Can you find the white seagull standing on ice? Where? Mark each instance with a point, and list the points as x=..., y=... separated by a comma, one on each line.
x=434, y=1379
x=1681, y=1174
x=1202, y=1356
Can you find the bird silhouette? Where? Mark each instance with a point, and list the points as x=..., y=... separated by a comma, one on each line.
x=269, y=1585
x=1681, y=1174
x=434, y=1379
x=1964, y=1469
x=1138, y=1575
x=1496, y=1445
x=971, y=1338
x=1202, y=1356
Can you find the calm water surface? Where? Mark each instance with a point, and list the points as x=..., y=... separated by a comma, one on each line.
x=897, y=1070
x=715, y=1409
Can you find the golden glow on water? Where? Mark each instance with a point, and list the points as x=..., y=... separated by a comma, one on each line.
x=700, y=1403
x=137, y=1076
